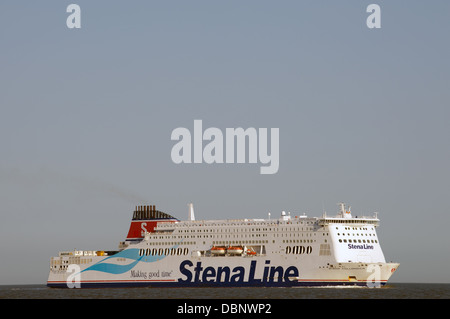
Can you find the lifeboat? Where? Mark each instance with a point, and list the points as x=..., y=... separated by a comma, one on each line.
x=250, y=252
x=235, y=250
x=218, y=250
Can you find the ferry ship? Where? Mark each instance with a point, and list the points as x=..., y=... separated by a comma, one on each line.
x=163, y=251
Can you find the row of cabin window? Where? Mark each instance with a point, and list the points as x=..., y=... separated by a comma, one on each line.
x=298, y=250
x=160, y=252
x=245, y=230
x=361, y=241
x=357, y=234
x=239, y=236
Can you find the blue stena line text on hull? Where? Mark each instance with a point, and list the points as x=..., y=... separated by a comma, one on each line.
x=238, y=274
x=351, y=246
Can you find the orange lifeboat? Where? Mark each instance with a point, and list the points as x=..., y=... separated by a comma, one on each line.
x=235, y=250
x=218, y=250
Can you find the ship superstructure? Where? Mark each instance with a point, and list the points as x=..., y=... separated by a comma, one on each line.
x=161, y=250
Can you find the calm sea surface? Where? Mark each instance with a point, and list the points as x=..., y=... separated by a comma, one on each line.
x=390, y=291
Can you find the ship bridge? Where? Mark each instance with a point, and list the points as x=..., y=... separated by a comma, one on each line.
x=324, y=221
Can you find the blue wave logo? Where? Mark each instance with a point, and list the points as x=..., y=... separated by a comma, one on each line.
x=132, y=253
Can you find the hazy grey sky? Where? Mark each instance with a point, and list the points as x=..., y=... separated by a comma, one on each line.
x=87, y=114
